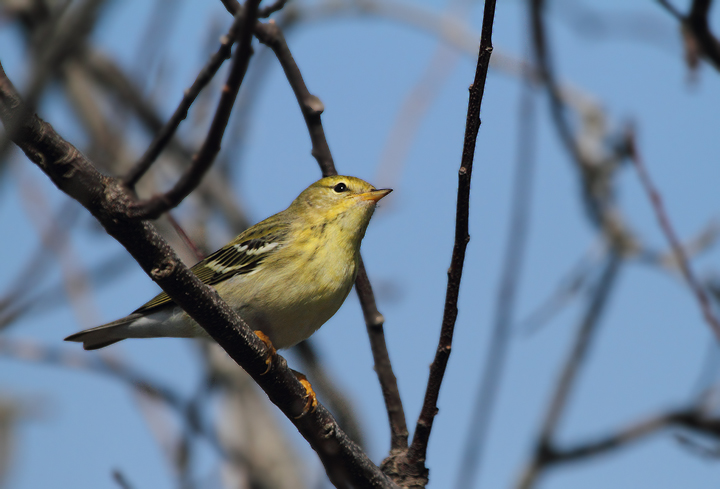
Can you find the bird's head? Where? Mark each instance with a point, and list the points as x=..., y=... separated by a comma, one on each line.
x=349, y=201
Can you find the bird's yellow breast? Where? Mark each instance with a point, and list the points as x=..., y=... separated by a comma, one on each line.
x=293, y=302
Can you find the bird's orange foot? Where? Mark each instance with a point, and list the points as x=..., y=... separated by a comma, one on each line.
x=270, y=352
x=311, y=402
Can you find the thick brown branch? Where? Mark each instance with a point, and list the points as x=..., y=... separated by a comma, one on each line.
x=204, y=158
x=696, y=24
x=106, y=198
x=414, y=460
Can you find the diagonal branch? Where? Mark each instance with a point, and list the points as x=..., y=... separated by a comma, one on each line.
x=577, y=356
x=696, y=24
x=310, y=105
x=689, y=419
x=164, y=136
x=204, y=158
x=672, y=238
x=106, y=198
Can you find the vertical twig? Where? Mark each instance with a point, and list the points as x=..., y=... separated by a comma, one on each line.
x=374, y=322
x=503, y=321
x=413, y=463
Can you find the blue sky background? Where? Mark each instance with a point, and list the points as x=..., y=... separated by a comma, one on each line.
x=652, y=344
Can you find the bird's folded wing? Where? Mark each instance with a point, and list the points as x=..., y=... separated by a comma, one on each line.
x=242, y=255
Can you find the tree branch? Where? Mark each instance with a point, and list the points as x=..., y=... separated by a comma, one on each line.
x=571, y=369
x=411, y=465
x=165, y=134
x=503, y=320
x=157, y=205
x=690, y=419
x=672, y=238
x=388, y=382
x=696, y=24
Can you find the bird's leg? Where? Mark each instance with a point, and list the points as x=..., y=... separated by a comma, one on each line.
x=270, y=352
x=312, y=402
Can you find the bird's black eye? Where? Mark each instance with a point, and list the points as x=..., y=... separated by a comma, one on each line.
x=340, y=187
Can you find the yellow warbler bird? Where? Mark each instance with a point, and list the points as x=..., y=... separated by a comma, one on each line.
x=285, y=276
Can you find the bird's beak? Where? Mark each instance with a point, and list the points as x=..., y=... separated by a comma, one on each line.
x=375, y=194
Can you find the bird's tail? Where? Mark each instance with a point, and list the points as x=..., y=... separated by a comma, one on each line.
x=107, y=334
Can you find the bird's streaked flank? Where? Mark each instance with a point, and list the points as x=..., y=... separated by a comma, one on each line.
x=285, y=276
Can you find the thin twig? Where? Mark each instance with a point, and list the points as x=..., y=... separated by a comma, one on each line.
x=213, y=187
x=495, y=357
x=14, y=306
x=570, y=286
x=266, y=12
x=154, y=207
x=121, y=479
x=689, y=419
x=670, y=235
x=595, y=172
x=199, y=255
x=164, y=136
x=412, y=465
x=310, y=105
x=117, y=370
x=374, y=322
x=64, y=34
